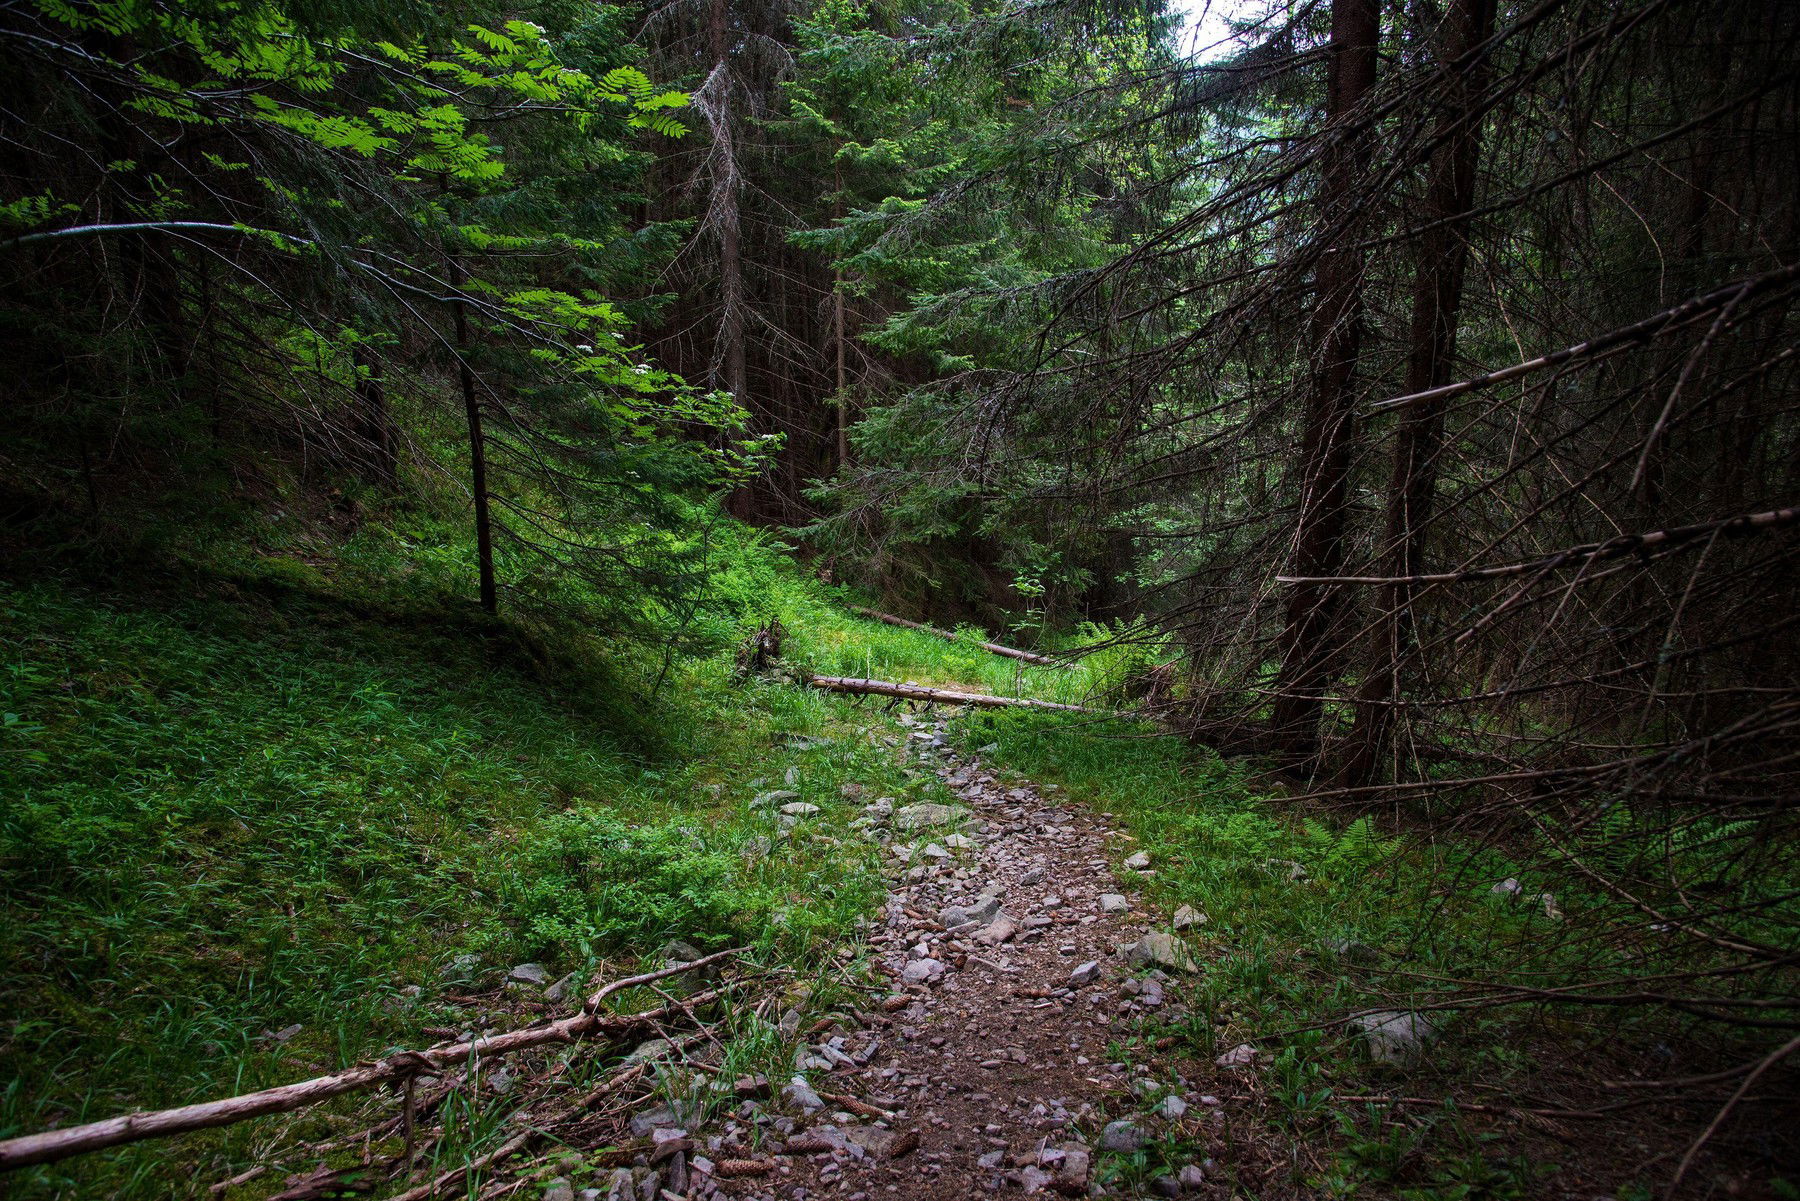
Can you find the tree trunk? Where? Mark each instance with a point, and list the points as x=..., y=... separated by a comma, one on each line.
x=941, y=696
x=484, y=538
x=843, y=399
x=1309, y=640
x=837, y=329
x=728, y=356
x=993, y=648
x=373, y=424
x=1437, y=302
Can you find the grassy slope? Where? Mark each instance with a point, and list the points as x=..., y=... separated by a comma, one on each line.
x=230, y=813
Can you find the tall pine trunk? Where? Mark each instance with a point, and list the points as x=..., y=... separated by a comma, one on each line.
x=837, y=325
x=724, y=212
x=1309, y=641
x=484, y=536
x=373, y=425
x=1418, y=442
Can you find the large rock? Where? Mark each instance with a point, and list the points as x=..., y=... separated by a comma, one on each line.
x=1112, y=902
x=1241, y=1056
x=620, y=1186
x=529, y=973
x=927, y=813
x=1187, y=917
x=1085, y=975
x=1395, y=1037
x=1000, y=930
x=1158, y=949
x=643, y=1124
x=798, y=1092
x=922, y=971
x=985, y=909
x=1074, y=1167
x=876, y=1141
x=656, y=1048
x=1139, y=861
x=1122, y=1136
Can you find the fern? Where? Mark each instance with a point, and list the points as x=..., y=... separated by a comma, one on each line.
x=1356, y=848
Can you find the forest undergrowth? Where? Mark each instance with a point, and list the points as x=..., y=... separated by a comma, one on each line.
x=268, y=825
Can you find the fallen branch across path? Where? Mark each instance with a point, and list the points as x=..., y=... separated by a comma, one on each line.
x=937, y=696
x=993, y=648
x=51, y=1145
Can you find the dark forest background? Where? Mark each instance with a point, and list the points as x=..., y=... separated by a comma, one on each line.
x=1402, y=398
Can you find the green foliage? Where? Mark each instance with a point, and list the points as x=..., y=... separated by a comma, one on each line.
x=344, y=163
x=282, y=804
x=591, y=877
x=1355, y=849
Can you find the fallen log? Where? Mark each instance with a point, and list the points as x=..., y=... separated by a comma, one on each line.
x=993, y=648
x=938, y=696
x=48, y=1146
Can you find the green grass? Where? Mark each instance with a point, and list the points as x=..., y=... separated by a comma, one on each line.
x=1359, y=926
x=829, y=640
x=231, y=813
x=238, y=799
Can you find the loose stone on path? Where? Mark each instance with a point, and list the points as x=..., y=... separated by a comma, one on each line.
x=990, y=1060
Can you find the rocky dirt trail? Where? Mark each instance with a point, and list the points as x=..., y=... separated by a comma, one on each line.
x=1017, y=961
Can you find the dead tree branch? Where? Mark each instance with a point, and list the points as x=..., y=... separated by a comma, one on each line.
x=50, y=1146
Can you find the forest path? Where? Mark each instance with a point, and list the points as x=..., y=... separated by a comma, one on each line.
x=999, y=1058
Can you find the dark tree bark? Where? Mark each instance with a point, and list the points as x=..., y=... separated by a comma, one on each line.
x=373, y=425
x=1436, y=305
x=837, y=332
x=484, y=536
x=1309, y=647
x=716, y=99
